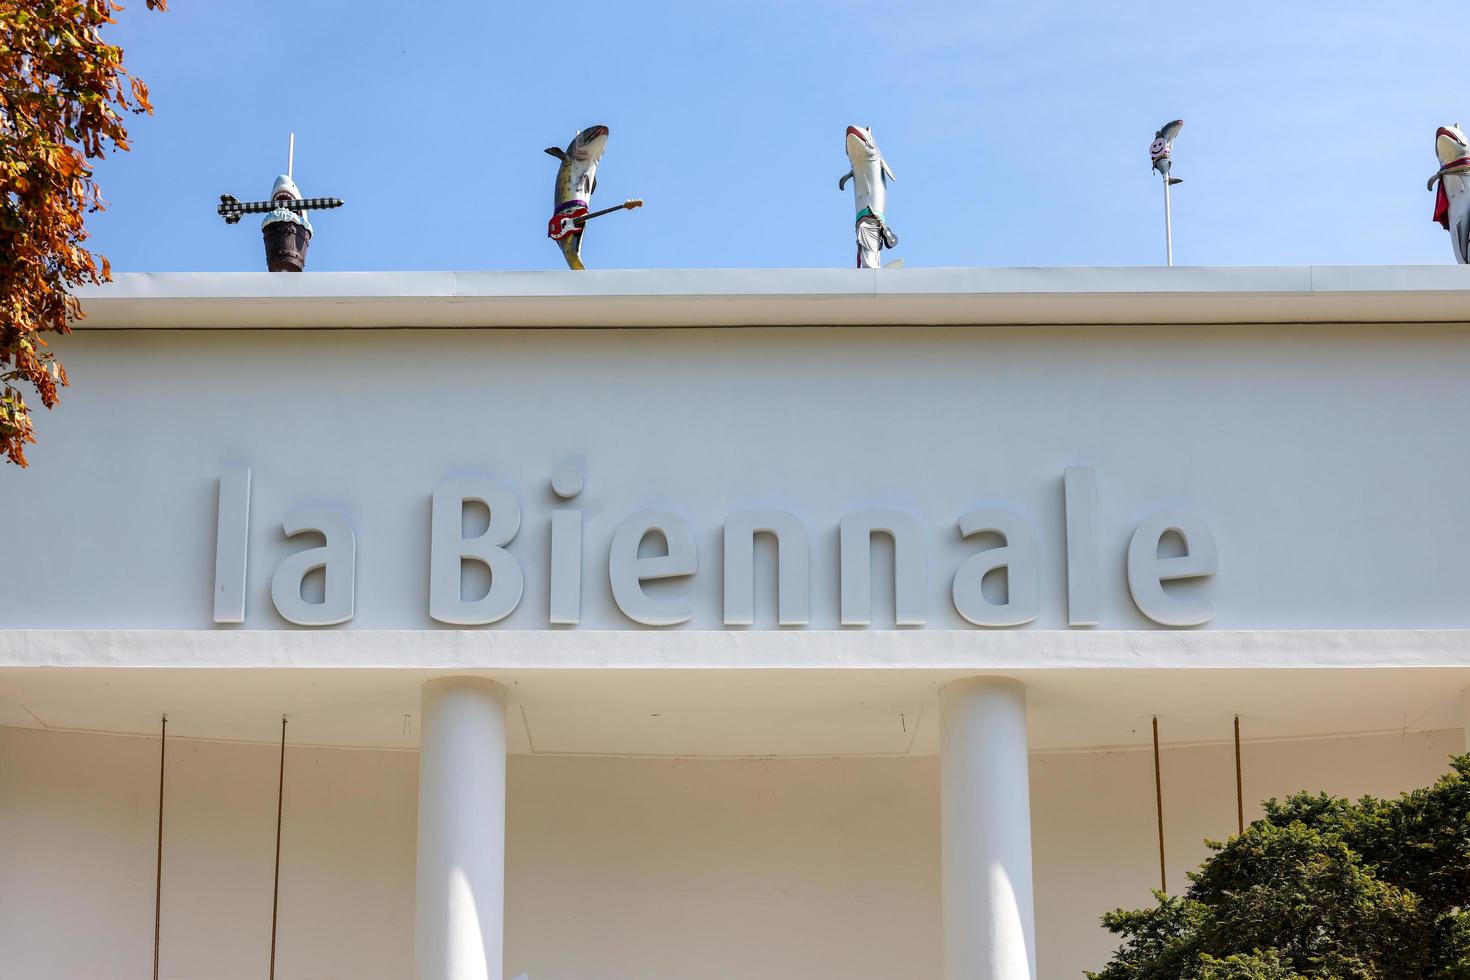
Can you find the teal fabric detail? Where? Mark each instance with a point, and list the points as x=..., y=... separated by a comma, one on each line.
x=286, y=214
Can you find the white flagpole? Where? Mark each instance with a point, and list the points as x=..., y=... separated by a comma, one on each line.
x=291, y=155
x=1168, y=225
x=1159, y=150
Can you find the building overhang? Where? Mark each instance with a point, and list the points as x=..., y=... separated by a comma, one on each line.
x=707, y=693
x=782, y=297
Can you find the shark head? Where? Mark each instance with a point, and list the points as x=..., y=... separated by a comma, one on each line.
x=576, y=179
x=1450, y=145
x=869, y=169
x=284, y=189
x=586, y=147
x=869, y=173
x=861, y=149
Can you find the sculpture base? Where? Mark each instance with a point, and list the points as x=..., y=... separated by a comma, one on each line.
x=285, y=246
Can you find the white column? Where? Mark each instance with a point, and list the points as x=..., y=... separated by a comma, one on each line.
x=985, y=815
x=459, y=912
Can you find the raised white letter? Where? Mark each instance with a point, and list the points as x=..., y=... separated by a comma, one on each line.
x=566, y=549
x=1084, y=598
x=448, y=550
x=338, y=560
x=909, y=574
x=1017, y=556
x=626, y=571
x=231, y=542
x=1146, y=570
x=793, y=562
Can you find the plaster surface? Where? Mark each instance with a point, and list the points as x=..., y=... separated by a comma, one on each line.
x=735, y=712
x=1327, y=464
x=616, y=869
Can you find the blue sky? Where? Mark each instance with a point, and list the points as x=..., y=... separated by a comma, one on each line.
x=1018, y=131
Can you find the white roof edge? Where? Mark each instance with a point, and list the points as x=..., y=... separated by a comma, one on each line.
x=783, y=297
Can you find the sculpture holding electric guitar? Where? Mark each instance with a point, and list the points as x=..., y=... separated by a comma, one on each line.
x=576, y=180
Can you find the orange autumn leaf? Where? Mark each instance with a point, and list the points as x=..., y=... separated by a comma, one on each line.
x=64, y=94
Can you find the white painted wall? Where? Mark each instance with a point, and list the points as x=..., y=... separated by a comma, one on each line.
x=1326, y=459
x=617, y=869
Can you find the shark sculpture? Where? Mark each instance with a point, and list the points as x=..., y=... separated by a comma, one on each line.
x=1452, y=200
x=576, y=181
x=1163, y=145
x=1159, y=154
x=869, y=176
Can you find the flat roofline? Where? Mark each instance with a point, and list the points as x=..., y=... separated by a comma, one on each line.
x=782, y=297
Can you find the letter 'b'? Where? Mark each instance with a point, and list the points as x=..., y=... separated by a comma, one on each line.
x=448, y=549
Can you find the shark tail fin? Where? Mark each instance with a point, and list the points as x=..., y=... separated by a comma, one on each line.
x=571, y=250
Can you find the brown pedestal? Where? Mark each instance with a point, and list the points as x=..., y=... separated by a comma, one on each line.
x=285, y=246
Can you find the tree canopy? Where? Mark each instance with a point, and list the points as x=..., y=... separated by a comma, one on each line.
x=1320, y=888
x=64, y=95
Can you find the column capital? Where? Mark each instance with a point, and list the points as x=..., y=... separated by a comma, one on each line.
x=962, y=685
x=466, y=682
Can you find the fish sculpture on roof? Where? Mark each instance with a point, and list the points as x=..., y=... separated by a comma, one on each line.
x=869, y=176
x=1452, y=193
x=576, y=181
x=1161, y=149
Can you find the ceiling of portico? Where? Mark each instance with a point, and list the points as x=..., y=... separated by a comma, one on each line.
x=727, y=712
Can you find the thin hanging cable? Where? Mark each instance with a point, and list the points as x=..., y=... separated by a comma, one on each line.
x=1159, y=800
x=1239, y=791
x=158, y=869
x=276, y=886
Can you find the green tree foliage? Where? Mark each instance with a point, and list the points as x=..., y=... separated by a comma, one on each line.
x=1320, y=888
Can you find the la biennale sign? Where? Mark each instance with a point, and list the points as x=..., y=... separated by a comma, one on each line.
x=659, y=545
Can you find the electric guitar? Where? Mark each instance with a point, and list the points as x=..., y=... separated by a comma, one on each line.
x=565, y=223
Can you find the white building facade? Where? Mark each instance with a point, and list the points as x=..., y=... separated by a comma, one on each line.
x=687, y=625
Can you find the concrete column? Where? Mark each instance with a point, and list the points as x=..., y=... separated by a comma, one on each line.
x=985, y=815
x=459, y=912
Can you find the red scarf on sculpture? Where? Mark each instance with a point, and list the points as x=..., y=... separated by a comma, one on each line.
x=1442, y=198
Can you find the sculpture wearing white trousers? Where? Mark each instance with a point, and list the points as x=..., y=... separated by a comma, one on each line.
x=869, y=176
x=1452, y=201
